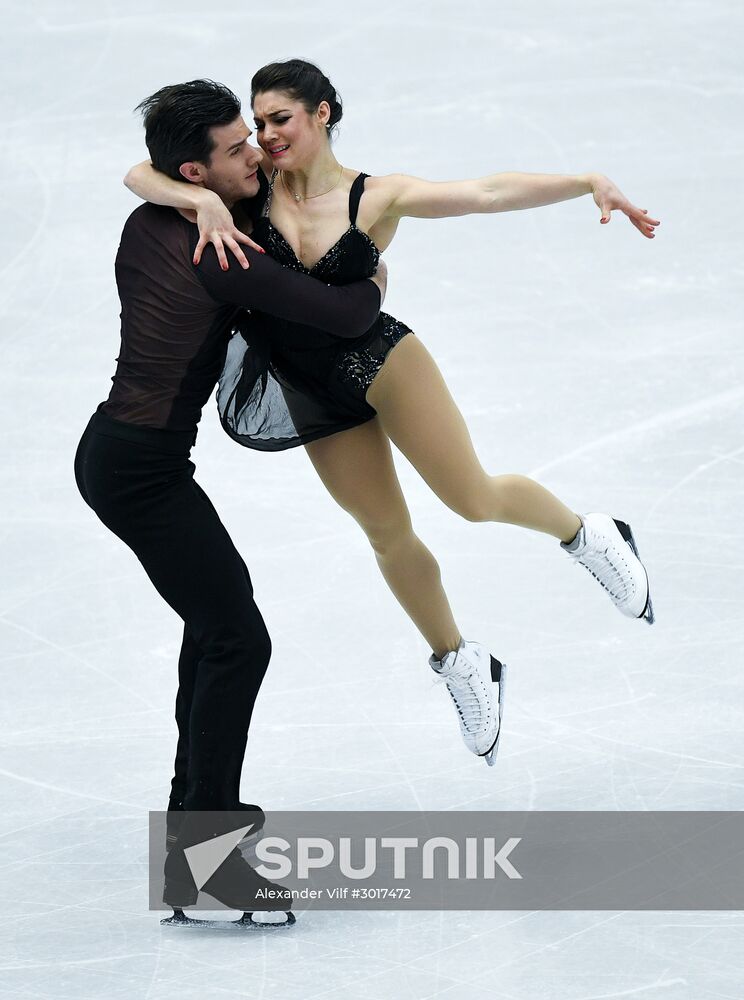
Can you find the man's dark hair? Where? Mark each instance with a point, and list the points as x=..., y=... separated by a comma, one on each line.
x=178, y=119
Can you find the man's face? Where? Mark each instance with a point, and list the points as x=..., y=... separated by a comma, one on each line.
x=233, y=167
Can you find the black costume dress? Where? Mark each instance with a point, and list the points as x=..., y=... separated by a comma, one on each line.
x=285, y=383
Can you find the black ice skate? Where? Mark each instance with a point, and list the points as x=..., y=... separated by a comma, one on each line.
x=235, y=883
x=174, y=822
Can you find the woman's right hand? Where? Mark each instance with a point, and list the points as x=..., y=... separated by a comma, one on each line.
x=216, y=226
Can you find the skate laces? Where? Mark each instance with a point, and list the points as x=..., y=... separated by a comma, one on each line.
x=471, y=698
x=608, y=567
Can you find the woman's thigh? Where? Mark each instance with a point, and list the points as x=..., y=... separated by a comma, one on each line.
x=417, y=412
x=356, y=467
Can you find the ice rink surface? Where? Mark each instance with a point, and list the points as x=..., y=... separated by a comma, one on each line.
x=607, y=366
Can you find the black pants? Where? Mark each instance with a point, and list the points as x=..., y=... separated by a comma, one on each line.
x=140, y=483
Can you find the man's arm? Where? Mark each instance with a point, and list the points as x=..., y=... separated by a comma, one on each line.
x=343, y=310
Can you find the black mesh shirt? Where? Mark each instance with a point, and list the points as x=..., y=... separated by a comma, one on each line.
x=176, y=318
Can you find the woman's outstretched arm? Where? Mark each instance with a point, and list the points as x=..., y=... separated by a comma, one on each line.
x=506, y=192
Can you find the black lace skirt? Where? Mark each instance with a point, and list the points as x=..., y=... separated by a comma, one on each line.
x=284, y=385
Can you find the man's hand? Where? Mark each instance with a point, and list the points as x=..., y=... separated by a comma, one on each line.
x=380, y=279
x=216, y=225
x=609, y=198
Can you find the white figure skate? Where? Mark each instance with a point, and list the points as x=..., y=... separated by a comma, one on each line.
x=475, y=680
x=607, y=549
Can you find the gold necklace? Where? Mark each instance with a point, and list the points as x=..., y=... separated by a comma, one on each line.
x=300, y=197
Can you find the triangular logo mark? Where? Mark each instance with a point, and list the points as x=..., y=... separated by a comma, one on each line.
x=204, y=859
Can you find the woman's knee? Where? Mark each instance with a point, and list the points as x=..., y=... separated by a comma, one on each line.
x=491, y=498
x=476, y=503
x=385, y=535
x=494, y=498
x=383, y=518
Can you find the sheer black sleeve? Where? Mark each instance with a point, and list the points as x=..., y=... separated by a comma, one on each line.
x=344, y=310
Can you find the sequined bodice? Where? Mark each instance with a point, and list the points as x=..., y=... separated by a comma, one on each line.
x=352, y=257
x=289, y=383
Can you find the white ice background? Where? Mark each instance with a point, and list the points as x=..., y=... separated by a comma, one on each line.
x=607, y=366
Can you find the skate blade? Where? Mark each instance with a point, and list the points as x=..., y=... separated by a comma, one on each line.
x=246, y=922
x=625, y=530
x=490, y=755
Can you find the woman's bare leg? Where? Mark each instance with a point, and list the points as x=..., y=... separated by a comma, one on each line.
x=357, y=469
x=417, y=412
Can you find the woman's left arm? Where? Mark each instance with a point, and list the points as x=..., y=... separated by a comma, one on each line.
x=507, y=192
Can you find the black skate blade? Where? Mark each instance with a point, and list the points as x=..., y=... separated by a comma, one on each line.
x=625, y=530
x=498, y=676
x=246, y=922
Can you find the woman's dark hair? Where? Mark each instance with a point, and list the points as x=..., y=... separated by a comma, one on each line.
x=178, y=120
x=304, y=82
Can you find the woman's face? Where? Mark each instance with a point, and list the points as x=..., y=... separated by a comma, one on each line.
x=286, y=131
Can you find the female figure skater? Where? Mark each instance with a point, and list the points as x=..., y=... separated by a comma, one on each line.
x=287, y=384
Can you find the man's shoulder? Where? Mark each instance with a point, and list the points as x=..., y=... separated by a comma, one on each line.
x=150, y=227
x=154, y=217
x=155, y=239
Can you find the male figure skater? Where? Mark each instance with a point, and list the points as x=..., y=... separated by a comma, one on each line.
x=132, y=465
